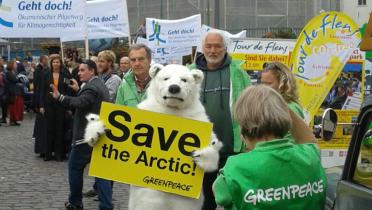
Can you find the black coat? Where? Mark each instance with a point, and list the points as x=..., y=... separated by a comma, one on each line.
x=88, y=100
x=47, y=79
x=11, y=87
x=37, y=82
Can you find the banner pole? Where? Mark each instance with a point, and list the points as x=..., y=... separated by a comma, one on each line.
x=8, y=48
x=129, y=40
x=86, y=48
x=62, y=54
x=195, y=54
x=126, y=13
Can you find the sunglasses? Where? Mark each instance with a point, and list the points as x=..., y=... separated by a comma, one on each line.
x=270, y=66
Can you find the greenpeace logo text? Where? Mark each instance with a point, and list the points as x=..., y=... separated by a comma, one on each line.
x=288, y=192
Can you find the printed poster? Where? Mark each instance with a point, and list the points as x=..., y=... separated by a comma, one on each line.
x=42, y=19
x=322, y=49
x=105, y=19
x=255, y=52
x=146, y=149
x=173, y=33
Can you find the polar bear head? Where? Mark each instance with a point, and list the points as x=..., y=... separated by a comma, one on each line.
x=92, y=117
x=175, y=86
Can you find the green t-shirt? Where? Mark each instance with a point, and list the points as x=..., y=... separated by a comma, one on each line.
x=128, y=93
x=276, y=175
x=296, y=108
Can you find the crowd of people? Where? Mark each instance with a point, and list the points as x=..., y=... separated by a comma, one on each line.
x=261, y=127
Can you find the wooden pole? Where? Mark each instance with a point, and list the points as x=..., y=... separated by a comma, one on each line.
x=62, y=54
x=86, y=47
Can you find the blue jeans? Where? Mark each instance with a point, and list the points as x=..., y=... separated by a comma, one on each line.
x=79, y=158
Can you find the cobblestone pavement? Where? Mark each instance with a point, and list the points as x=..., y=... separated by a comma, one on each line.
x=28, y=182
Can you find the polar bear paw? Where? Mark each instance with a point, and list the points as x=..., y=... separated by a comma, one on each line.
x=94, y=130
x=208, y=157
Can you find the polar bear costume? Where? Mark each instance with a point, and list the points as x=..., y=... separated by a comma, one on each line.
x=174, y=90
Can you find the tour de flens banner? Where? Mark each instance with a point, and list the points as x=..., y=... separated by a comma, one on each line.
x=322, y=49
x=168, y=33
x=41, y=18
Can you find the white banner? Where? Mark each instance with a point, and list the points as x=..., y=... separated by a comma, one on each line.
x=256, y=52
x=141, y=40
x=106, y=19
x=169, y=60
x=171, y=52
x=167, y=52
x=42, y=18
x=172, y=33
x=261, y=46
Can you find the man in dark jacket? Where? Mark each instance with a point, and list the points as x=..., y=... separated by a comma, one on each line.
x=39, y=134
x=88, y=100
x=38, y=75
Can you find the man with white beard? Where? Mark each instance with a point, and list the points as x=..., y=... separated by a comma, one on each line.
x=224, y=80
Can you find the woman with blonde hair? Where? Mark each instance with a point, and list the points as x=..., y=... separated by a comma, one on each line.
x=276, y=172
x=280, y=78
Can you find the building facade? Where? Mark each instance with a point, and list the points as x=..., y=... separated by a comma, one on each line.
x=256, y=16
x=359, y=10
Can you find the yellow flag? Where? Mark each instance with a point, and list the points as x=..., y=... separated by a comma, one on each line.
x=321, y=51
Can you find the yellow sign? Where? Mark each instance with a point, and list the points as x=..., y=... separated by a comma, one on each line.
x=256, y=52
x=150, y=150
x=255, y=62
x=321, y=51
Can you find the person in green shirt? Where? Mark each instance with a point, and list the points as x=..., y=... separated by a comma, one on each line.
x=275, y=172
x=279, y=77
x=135, y=83
x=224, y=80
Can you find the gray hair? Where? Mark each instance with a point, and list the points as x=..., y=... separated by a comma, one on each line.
x=219, y=33
x=140, y=46
x=261, y=111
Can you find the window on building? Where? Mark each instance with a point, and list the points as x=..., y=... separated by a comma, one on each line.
x=362, y=2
